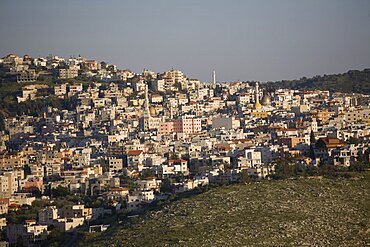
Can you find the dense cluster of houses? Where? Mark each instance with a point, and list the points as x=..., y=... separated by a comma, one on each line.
x=161, y=128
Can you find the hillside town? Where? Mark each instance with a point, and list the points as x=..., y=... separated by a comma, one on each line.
x=126, y=140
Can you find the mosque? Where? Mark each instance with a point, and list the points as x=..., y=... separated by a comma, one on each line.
x=148, y=121
x=261, y=110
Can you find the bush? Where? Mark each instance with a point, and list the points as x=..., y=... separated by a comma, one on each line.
x=60, y=192
x=359, y=166
x=284, y=170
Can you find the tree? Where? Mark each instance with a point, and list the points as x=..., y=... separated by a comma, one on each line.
x=39, y=204
x=361, y=156
x=284, y=169
x=27, y=170
x=312, y=151
x=244, y=177
x=2, y=124
x=312, y=171
x=146, y=173
x=60, y=192
x=366, y=155
x=359, y=166
x=312, y=137
x=166, y=186
x=299, y=168
x=353, y=140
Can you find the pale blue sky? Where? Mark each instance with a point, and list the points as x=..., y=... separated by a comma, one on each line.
x=241, y=39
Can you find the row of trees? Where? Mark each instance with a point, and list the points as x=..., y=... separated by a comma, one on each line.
x=287, y=169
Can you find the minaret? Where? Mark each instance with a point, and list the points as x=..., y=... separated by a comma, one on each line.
x=146, y=110
x=257, y=104
x=146, y=119
x=171, y=112
x=214, y=78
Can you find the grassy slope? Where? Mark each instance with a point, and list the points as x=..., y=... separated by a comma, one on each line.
x=272, y=213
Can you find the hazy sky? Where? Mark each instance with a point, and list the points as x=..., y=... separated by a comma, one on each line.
x=241, y=39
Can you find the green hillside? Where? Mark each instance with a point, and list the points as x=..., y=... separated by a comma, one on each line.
x=302, y=212
x=354, y=81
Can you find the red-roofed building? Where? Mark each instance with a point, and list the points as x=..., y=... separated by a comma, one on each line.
x=117, y=193
x=32, y=184
x=325, y=146
x=329, y=143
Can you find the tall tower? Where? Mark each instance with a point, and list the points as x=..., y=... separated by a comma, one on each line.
x=214, y=78
x=257, y=104
x=145, y=121
x=171, y=112
x=146, y=110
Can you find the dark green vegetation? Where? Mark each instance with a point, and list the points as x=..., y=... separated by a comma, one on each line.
x=354, y=81
x=294, y=212
x=25, y=212
x=9, y=106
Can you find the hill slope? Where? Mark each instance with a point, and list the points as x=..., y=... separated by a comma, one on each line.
x=354, y=81
x=271, y=213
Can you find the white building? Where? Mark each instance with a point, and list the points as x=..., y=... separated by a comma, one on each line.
x=250, y=158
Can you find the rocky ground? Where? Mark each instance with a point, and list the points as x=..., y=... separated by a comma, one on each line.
x=301, y=212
